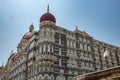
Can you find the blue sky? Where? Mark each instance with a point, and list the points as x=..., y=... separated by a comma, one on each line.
x=99, y=18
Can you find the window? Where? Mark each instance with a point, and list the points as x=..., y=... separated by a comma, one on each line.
x=80, y=38
x=84, y=40
x=81, y=46
x=46, y=77
x=89, y=49
x=88, y=41
x=85, y=47
x=52, y=77
x=59, y=40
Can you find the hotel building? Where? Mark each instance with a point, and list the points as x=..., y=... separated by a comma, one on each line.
x=55, y=53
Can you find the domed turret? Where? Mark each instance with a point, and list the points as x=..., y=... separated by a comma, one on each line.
x=27, y=35
x=47, y=17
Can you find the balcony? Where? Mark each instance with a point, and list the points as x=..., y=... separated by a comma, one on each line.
x=46, y=58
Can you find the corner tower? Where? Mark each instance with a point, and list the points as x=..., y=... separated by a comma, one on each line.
x=47, y=26
x=46, y=57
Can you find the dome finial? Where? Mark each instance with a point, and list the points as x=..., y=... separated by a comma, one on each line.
x=31, y=28
x=48, y=8
x=47, y=16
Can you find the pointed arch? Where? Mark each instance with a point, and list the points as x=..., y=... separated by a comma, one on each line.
x=70, y=78
x=46, y=77
x=52, y=77
x=40, y=77
x=60, y=77
x=63, y=78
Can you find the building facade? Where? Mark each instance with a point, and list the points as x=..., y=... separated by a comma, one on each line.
x=55, y=53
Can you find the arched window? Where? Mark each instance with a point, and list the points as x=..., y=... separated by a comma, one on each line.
x=52, y=77
x=60, y=78
x=63, y=78
x=40, y=77
x=46, y=77
x=70, y=78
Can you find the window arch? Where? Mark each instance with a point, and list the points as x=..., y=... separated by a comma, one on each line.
x=46, y=77
x=60, y=78
x=70, y=78
x=63, y=78
x=52, y=77
x=40, y=77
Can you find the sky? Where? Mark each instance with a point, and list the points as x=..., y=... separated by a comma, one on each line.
x=99, y=18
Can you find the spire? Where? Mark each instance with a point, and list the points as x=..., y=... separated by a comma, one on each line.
x=76, y=30
x=76, y=27
x=48, y=8
x=2, y=63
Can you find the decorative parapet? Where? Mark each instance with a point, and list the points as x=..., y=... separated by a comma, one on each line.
x=46, y=57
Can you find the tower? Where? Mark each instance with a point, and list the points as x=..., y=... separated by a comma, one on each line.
x=46, y=41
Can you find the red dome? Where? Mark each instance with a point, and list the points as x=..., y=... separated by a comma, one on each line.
x=47, y=17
